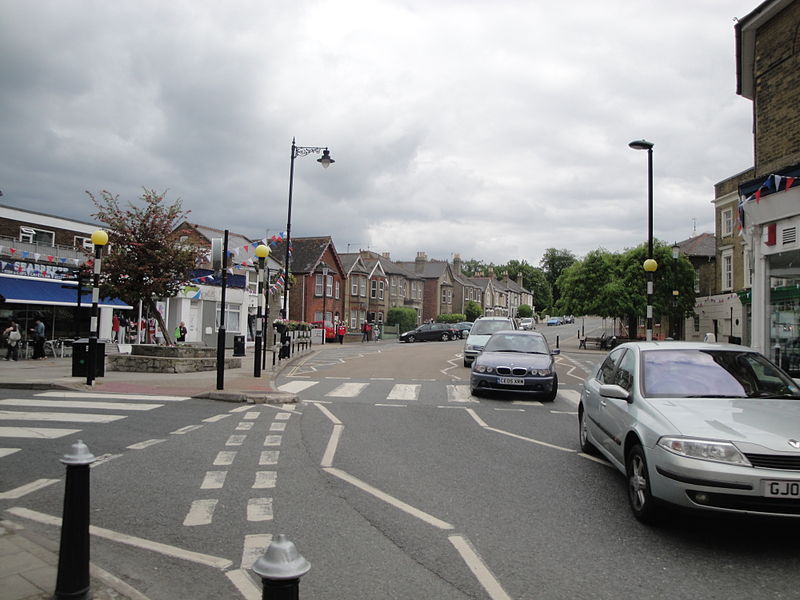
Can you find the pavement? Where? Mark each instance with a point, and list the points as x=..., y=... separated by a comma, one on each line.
x=28, y=563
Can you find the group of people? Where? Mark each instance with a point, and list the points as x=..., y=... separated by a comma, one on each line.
x=12, y=335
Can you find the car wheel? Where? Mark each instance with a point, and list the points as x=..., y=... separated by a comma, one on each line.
x=639, y=496
x=476, y=392
x=552, y=395
x=410, y=339
x=583, y=433
x=445, y=337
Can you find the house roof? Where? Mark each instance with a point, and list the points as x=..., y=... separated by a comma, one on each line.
x=306, y=254
x=389, y=266
x=704, y=244
x=432, y=269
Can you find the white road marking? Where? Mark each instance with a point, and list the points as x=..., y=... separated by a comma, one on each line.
x=103, y=458
x=224, y=458
x=333, y=442
x=240, y=409
x=478, y=568
x=381, y=378
x=8, y=451
x=259, y=509
x=213, y=480
x=273, y=440
x=144, y=444
x=476, y=418
x=269, y=457
x=246, y=587
x=283, y=416
x=347, y=390
x=43, y=433
x=328, y=414
x=254, y=547
x=596, y=459
x=173, y=551
x=216, y=418
x=186, y=429
x=23, y=490
x=251, y=415
x=10, y=415
x=244, y=426
x=200, y=513
x=510, y=409
x=277, y=427
x=527, y=402
x=236, y=440
x=295, y=387
x=564, y=412
x=404, y=391
x=571, y=396
x=407, y=508
x=533, y=441
x=459, y=393
x=265, y=479
x=78, y=404
x=289, y=407
x=113, y=396
x=391, y=405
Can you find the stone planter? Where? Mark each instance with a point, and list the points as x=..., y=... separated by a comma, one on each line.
x=148, y=358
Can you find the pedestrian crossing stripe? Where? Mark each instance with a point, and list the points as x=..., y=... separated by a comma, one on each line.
x=42, y=433
x=130, y=397
x=347, y=390
x=10, y=415
x=78, y=404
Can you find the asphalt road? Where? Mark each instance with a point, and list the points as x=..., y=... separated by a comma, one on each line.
x=393, y=482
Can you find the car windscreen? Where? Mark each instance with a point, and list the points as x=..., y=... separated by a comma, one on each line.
x=490, y=326
x=512, y=342
x=686, y=373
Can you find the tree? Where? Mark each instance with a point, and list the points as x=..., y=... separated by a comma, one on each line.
x=147, y=260
x=404, y=318
x=540, y=288
x=553, y=264
x=472, y=310
x=524, y=311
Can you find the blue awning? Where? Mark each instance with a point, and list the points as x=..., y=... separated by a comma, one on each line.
x=52, y=292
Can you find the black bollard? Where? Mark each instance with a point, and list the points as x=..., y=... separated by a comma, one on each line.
x=557, y=346
x=72, y=580
x=280, y=569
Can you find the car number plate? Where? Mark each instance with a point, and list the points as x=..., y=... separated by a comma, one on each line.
x=777, y=488
x=511, y=381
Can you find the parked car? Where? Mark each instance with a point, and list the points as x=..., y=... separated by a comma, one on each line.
x=568, y=319
x=430, y=331
x=463, y=328
x=330, y=330
x=516, y=361
x=554, y=321
x=526, y=323
x=698, y=425
x=482, y=328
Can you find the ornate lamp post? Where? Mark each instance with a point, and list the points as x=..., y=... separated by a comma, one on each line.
x=99, y=239
x=325, y=161
x=262, y=252
x=650, y=265
x=676, y=250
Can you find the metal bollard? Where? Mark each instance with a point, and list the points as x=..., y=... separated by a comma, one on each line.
x=72, y=580
x=280, y=569
x=557, y=346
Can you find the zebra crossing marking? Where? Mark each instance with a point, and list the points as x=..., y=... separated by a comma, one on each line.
x=43, y=433
x=295, y=387
x=213, y=480
x=265, y=479
x=216, y=418
x=273, y=440
x=200, y=513
x=10, y=415
x=144, y=444
x=8, y=451
x=224, y=458
x=459, y=393
x=112, y=396
x=404, y=391
x=27, y=489
x=78, y=404
x=259, y=509
x=347, y=390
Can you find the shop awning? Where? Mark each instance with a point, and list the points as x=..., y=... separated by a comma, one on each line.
x=51, y=292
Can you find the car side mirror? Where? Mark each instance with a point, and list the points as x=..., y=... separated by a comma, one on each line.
x=609, y=390
x=556, y=351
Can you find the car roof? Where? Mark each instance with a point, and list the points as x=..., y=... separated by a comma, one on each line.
x=493, y=319
x=680, y=345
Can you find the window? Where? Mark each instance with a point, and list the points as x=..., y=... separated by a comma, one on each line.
x=726, y=221
x=337, y=289
x=83, y=242
x=353, y=285
x=623, y=377
x=32, y=235
x=231, y=317
x=318, y=285
x=696, y=320
x=393, y=288
x=373, y=288
x=381, y=289
x=697, y=282
x=329, y=286
x=363, y=286
x=726, y=270
x=606, y=372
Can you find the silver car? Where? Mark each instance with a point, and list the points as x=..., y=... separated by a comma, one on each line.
x=704, y=426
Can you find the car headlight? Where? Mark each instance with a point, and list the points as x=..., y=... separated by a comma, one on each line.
x=712, y=450
x=484, y=369
x=472, y=348
x=541, y=372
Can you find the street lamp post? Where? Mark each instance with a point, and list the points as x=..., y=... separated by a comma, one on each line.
x=324, y=301
x=262, y=252
x=326, y=161
x=99, y=239
x=650, y=265
x=676, y=249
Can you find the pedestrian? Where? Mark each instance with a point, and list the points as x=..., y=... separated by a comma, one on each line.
x=151, y=331
x=38, y=339
x=180, y=332
x=341, y=331
x=12, y=337
x=115, y=327
x=122, y=338
x=364, y=332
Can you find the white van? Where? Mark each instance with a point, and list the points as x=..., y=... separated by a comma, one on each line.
x=482, y=328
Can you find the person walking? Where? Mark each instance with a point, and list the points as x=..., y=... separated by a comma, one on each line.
x=364, y=332
x=12, y=337
x=115, y=327
x=341, y=331
x=122, y=337
x=38, y=339
x=180, y=332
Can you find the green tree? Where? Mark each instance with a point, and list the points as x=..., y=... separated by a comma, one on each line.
x=404, y=318
x=472, y=310
x=473, y=266
x=541, y=290
x=147, y=261
x=524, y=311
x=553, y=263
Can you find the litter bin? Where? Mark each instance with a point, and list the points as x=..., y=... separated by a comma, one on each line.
x=80, y=358
x=238, y=345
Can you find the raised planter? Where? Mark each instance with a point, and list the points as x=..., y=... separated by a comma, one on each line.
x=148, y=358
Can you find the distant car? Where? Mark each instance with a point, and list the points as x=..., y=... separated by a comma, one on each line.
x=516, y=361
x=430, y=331
x=463, y=328
x=568, y=319
x=554, y=321
x=698, y=425
x=330, y=330
x=526, y=324
x=482, y=328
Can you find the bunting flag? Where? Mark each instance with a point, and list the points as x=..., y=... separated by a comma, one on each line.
x=50, y=258
x=771, y=184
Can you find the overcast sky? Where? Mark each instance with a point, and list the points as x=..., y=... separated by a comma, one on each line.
x=492, y=129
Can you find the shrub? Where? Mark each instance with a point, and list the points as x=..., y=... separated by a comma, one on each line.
x=404, y=318
x=451, y=318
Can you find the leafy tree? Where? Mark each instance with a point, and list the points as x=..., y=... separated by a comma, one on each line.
x=524, y=311
x=471, y=267
x=450, y=318
x=404, y=318
x=553, y=263
x=540, y=288
x=146, y=259
x=472, y=310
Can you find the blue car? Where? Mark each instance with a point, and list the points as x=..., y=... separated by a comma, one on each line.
x=554, y=321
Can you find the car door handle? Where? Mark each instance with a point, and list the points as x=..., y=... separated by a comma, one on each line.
x=603, y=402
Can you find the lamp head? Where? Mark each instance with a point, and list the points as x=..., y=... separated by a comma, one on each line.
x=99, y=238
x=326, y=160
x=650, y=265
x=641, y=145
x=262, y=251
x=676, y=250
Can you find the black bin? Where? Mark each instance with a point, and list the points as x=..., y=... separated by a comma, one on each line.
x=238, y=345
x=80, y=359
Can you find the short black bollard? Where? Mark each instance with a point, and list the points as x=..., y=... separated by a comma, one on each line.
x=280, y=569
x=72, y=580
x=557, y=346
